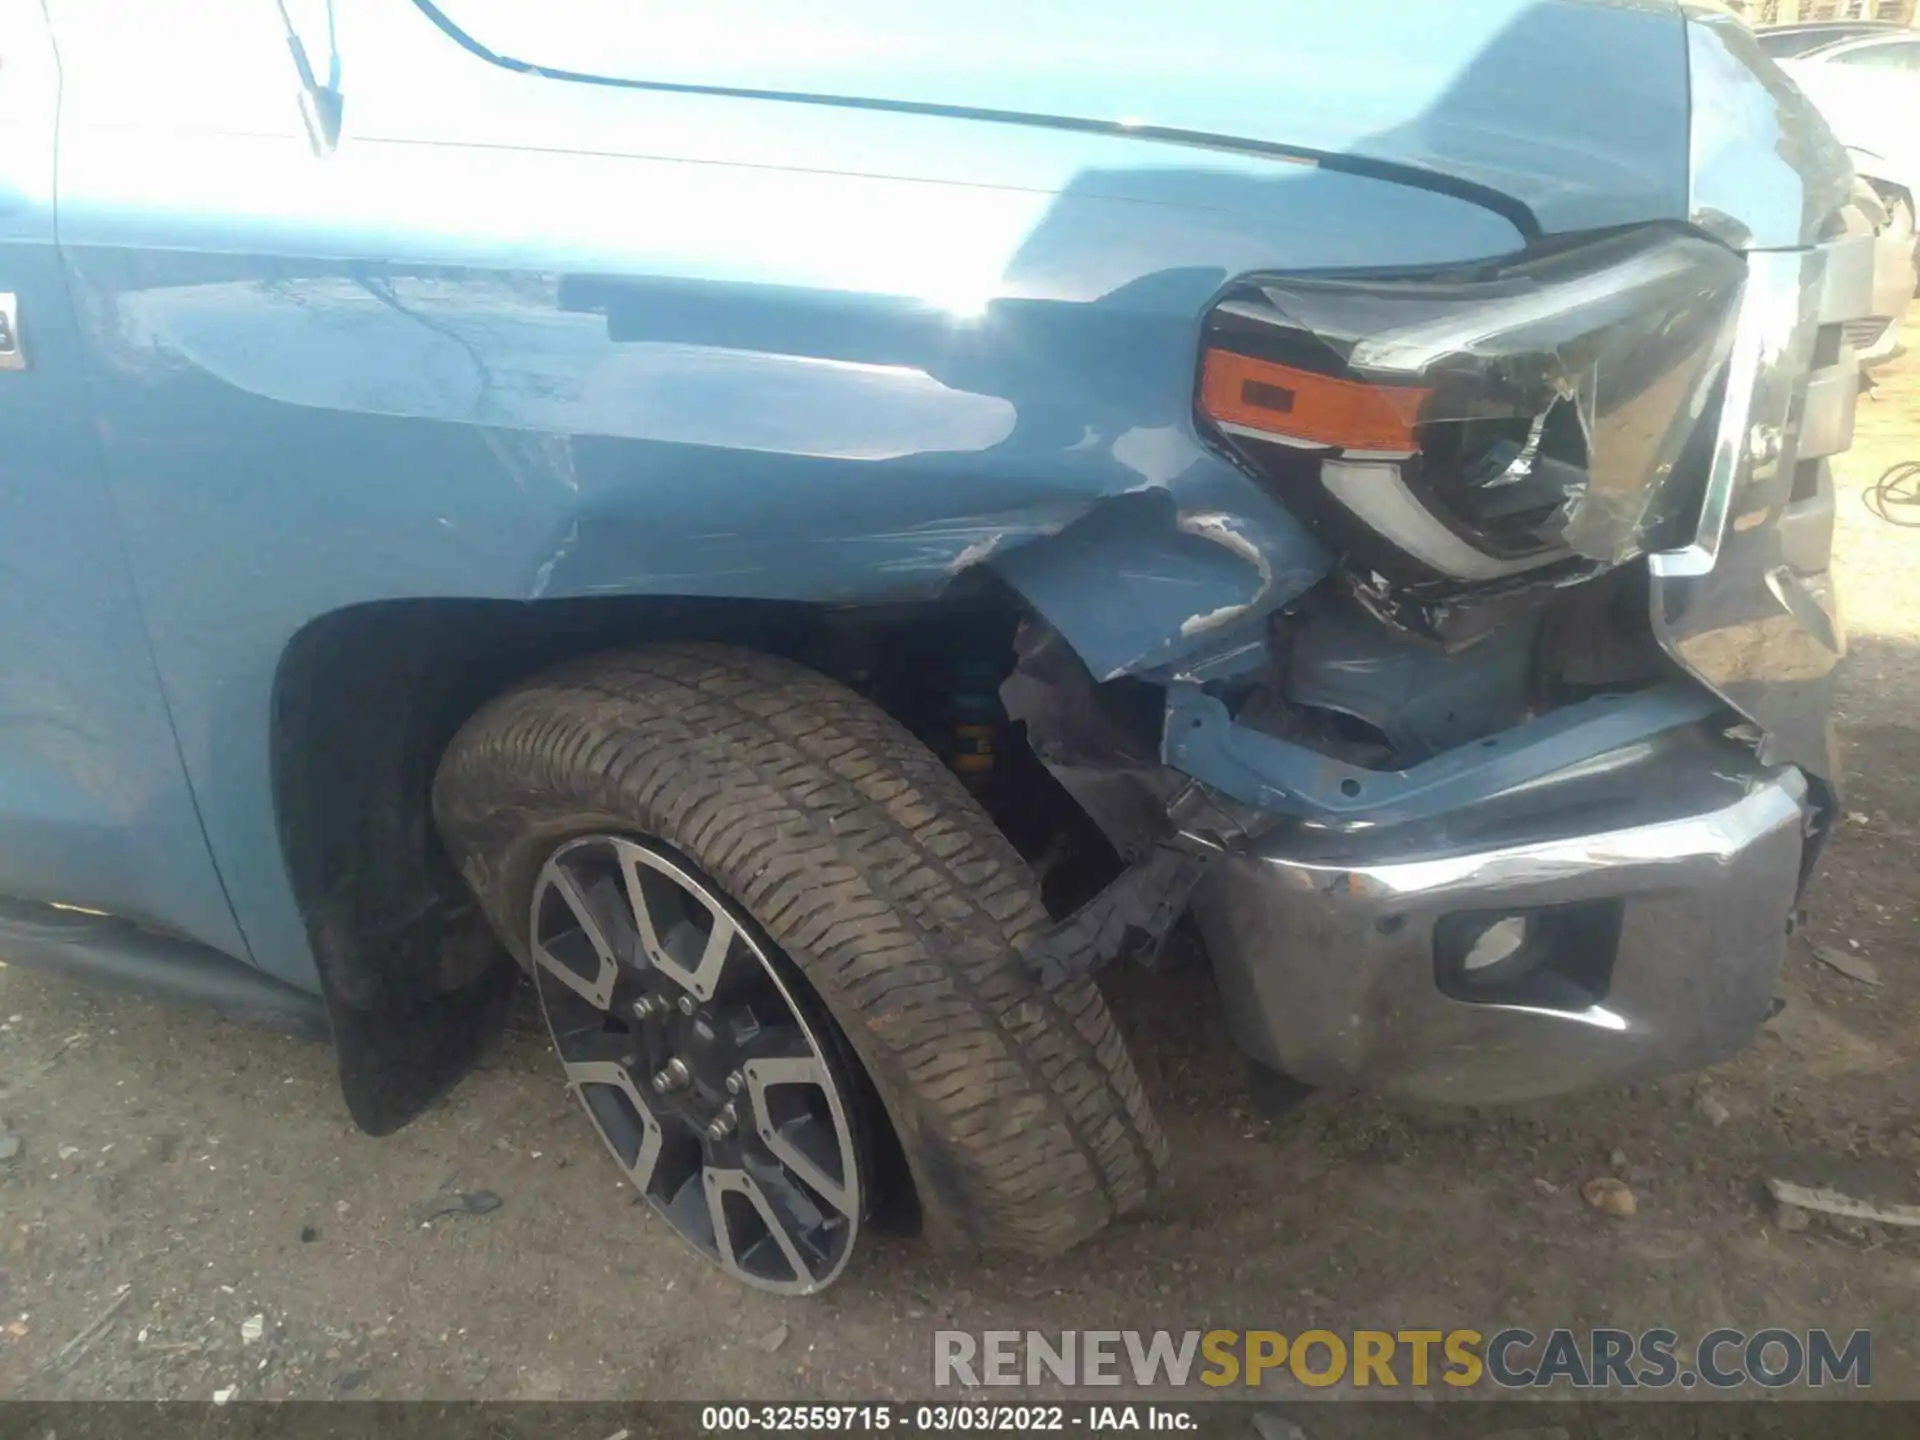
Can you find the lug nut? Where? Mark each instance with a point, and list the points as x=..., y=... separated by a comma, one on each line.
x=686, y=1005
x=736, y=1082
x=645, y=1007
x=722, y=1125
x=672, y=1077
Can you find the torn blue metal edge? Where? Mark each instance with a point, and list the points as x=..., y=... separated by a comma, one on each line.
x=1202, y=740
x=1145, y=584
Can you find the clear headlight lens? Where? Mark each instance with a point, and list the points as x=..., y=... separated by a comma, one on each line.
x=1488, y=425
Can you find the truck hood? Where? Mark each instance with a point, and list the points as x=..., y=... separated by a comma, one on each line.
x=1573, y=111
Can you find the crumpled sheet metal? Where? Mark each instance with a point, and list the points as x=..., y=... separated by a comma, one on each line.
x=1149, y=579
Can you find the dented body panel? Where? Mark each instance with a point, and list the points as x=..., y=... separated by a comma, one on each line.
x=546, y=320
x=594, y=341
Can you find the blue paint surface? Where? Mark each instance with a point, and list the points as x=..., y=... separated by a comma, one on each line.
x=1766, y=169
x=522, y=338
x=1576, y=109
x=94, y=806
x=1264, y=770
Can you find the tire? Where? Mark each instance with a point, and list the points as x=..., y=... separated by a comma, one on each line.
x=869, y=866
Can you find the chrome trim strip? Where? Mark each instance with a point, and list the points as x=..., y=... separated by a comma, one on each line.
x=1766, y=290
x=1292, y=442
x=1560, y=867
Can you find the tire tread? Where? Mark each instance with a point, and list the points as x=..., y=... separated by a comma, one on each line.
x=867, y=861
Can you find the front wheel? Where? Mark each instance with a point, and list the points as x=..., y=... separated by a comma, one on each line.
x=774, y=939
x=719, y=1094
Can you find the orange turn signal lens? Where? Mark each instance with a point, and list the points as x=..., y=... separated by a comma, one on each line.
x=1316, y=409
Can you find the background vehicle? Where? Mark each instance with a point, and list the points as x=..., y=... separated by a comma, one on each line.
x=813, y=538
x=1867, y=84
x=1787, y=42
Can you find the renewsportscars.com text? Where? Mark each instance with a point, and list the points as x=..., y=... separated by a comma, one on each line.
x=1511, y=1358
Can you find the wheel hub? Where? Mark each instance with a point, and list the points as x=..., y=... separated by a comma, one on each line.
x=708, y=1072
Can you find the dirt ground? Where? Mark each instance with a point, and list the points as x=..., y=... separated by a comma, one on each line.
x=180, y=1175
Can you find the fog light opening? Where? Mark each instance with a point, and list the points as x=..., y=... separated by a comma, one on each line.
x=1553, y=957
x=1498, y=942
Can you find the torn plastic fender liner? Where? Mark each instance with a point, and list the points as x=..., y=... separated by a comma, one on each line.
x=1131, y=918
x=1172, y=582
x=1101, y=744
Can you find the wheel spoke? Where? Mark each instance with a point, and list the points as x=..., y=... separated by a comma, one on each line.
x=720, y=1183
x=778, y=1042
x=784, y=1135
x=583, y=910
x=705, y=981
x=631, y=859
x=584, y=1074
x=702, y=977
x=597, y=992
x=698, y=1060
x=716, y=1188
x=782, y=1237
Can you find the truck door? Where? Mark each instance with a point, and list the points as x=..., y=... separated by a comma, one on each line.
x=95, y=809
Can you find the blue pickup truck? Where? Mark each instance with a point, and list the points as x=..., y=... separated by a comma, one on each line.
x=802, y=533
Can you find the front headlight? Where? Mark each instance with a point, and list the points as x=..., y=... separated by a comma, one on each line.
x=1531, y=419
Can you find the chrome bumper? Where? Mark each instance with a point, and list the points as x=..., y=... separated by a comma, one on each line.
x=1544, y=915
x=1654, y=885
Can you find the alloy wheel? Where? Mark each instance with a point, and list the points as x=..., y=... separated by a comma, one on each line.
x=712, y=1075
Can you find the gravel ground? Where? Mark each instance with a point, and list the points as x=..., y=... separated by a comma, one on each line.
x=186, y=1208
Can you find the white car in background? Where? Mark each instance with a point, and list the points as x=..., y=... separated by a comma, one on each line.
x=1866, y=80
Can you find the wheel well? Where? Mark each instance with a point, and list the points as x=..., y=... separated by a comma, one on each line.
x=367, y=699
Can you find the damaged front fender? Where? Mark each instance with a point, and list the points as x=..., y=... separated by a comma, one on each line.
x=1157, y=579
